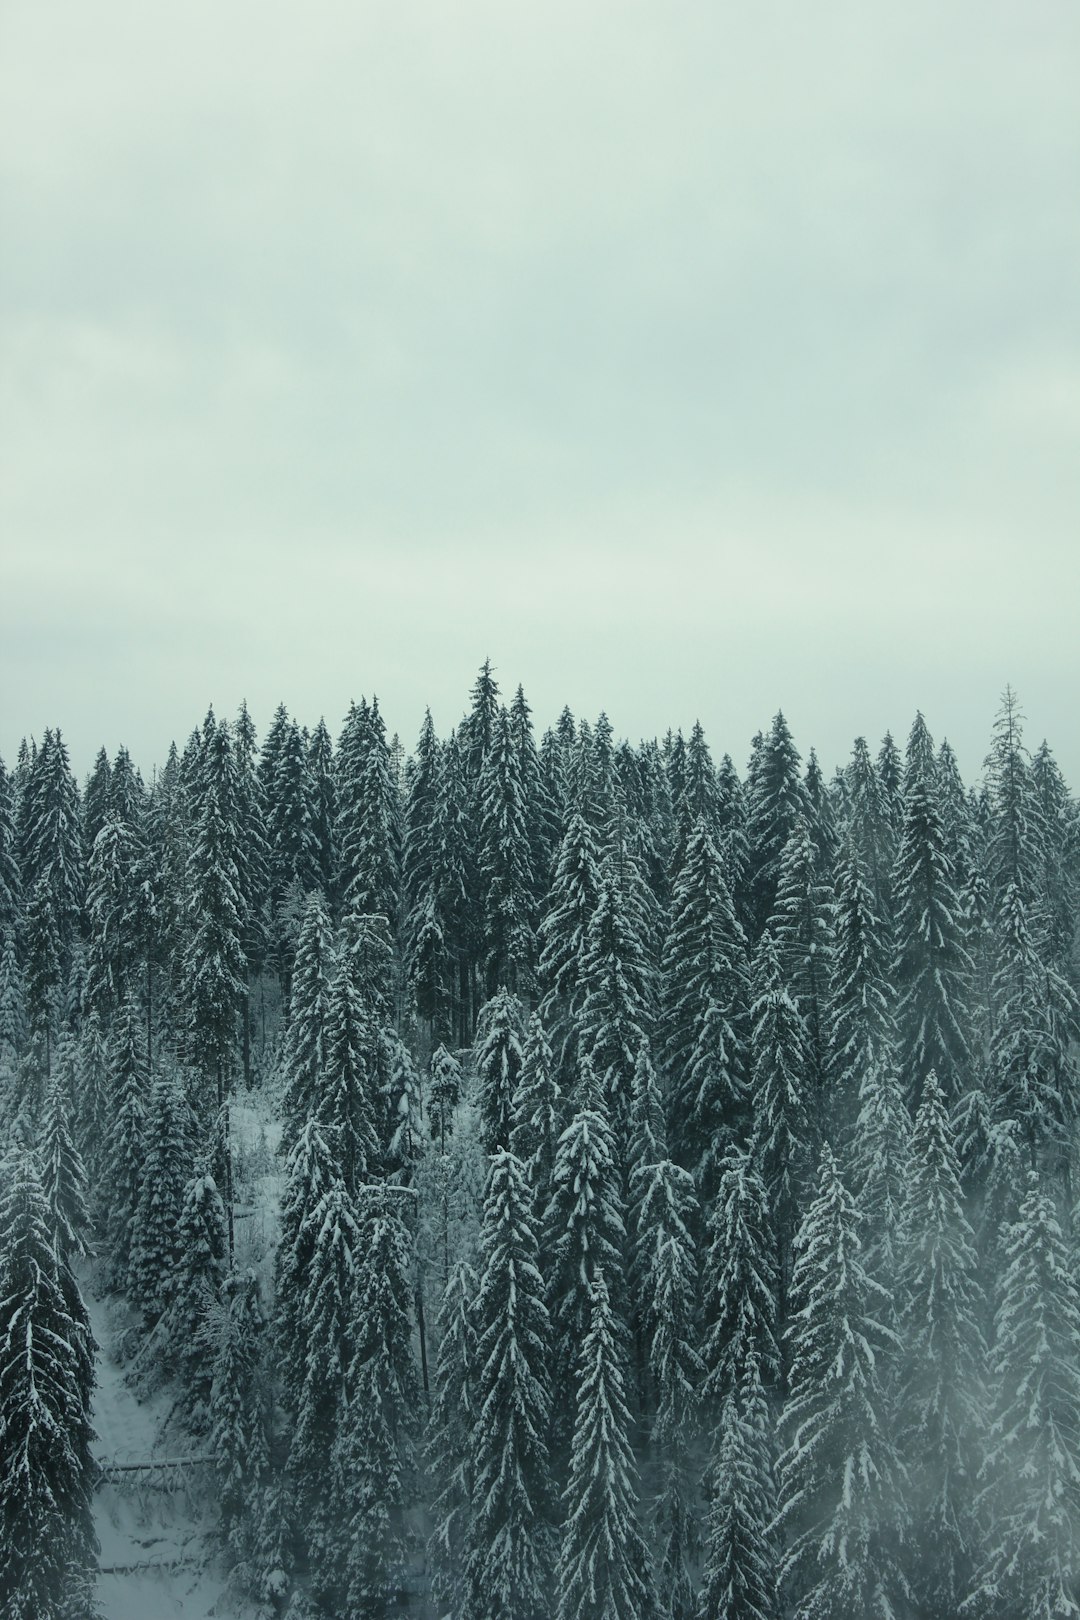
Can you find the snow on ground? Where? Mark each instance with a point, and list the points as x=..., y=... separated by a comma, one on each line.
x=140, y=1522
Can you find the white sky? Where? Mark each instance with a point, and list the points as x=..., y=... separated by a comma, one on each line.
x=688, y=359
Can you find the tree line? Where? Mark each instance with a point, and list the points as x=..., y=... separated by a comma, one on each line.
x=676, y=1166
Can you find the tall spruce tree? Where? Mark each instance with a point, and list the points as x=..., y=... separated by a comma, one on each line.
x=840, y=1481
x=861, y=1031
x=450, y=1440
x=306, y=1032
x=48, y=1548
x=775, y=799
x=603, y=1564
x=63, y=1176
x=331, y=1326
x=498, y=1068
x=347, y=1106
x=510, y=1532
x=155, y=1238
x=374, y=1459
x=940, y=1399
x=739, y=1286
x=584, y=1232
x=575, y=889
x=1029, y=1563
x=616, y=985
x=124, y=1155
x=669, y=1210
x=239, y=1415
x=703, y=1007
x=538, y=1112
x=931, y=968
x=784, y=1126
x=740, y=1575
x=310, y=1170
x=202, y=1241
x=800, y=927
x=505, y=866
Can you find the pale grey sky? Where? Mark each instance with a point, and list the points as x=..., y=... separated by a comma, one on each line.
x=688, y=359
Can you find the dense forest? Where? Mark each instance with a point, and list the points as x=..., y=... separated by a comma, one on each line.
x=674, y=1167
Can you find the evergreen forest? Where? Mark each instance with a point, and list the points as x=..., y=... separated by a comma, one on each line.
x=664, y=1200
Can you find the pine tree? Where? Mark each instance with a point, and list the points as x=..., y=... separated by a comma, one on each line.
x=670, y=1214
x=10, y=875
x=320, y=863
x=310, y=1171
x=124, y=1153
x=51, y=849
x=155, y=1241
x=544, y=828
x=704, y=995
x=48, y=1547
x=306, y=1033
x=1035, y=1016
x=783, y=1139
x=871, y=828
x=374, y=1452
x=861, y=1031
x=283, y=782
x=407, y=1138
x=881, y=1172
x=1059, y=877
x=575, y=888
x=648, y=1128
x=479, y=726
x=939, y=1403
x=13, y=1024
x=616, y=987
x=63, y=1177
x=417, y=849
x=510, y=1541
x=820, y=817
x=584, y=1232
x=127, y=793
x=697, y=799
x=1030, y=1562
x=348, y=1104
x=775, y=799
x=239, y=1418
x=800, y=929
x=731, y=838
x=248, y=813
x=453, y=1417
x=498, y=1068
x=112, y=904
x=214, y=966
x=331, y=1326
x=603, y=1564
x=444, y=1093
x=740, y=1580
x=739, y=1285
x=452, y=883
x=839, y=1480
x=368, y=826
x=538, y=1113
x=505, y=866
x=42, y=968
x=202, y=1241
x=931, y=968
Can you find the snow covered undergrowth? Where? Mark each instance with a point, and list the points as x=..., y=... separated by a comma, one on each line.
x=155, y=1512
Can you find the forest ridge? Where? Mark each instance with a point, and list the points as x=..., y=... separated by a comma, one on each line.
x=673, y=1191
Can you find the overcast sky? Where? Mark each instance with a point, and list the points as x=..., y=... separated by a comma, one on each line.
x=688, y=360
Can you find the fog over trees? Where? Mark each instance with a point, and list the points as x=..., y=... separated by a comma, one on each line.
x=666, y=1203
